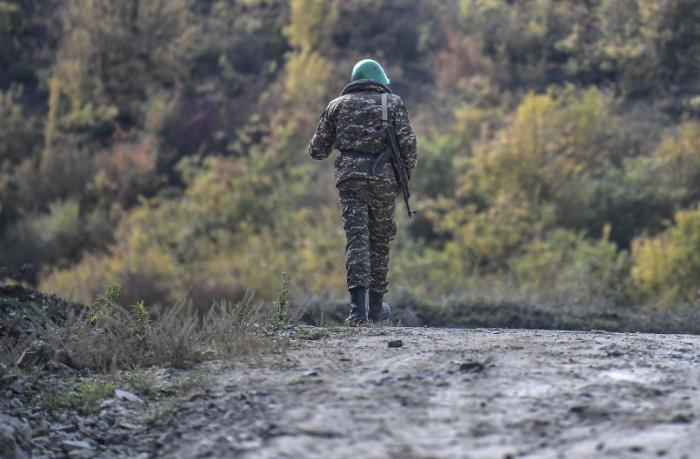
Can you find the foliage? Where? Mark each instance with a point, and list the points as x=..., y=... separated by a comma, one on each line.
x=311, y=24
x=677, y=164
x=107, y=335
x=161, y=145
x=666, y=267
x=84, y=398
x=283, y=300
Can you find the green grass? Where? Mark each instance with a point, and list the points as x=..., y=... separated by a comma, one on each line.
x=167, y=395
x=172, y=390
x=312, y=334
x=283, y=301
x=144, y=384
x=84, y=398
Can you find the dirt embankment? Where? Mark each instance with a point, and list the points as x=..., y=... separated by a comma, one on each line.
x=445, y=393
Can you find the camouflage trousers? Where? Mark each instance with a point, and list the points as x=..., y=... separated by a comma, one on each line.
x=368, y=219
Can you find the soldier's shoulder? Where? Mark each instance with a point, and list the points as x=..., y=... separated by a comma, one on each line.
x=395, y=97
x=396, y=104
x=335, y=104
x=396, y=100
x=337, y=101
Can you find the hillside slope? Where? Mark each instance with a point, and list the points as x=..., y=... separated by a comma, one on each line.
x=446, y=393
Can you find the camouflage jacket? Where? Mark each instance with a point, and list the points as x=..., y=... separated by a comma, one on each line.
x=348, y=124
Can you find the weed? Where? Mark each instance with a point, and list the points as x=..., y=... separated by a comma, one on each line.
x=104, y=305
x=140, y=381
x=175, y=337
x=283, y=300
x=108, y=335
x=113, y=293
x=146, y=385
x=11, y=349
x=237, y=329
x=312, y=334
x=160, y=414
x=177, y=388
x=84, y=398
x=139, y=310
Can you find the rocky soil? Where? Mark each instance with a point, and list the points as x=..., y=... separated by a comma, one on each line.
x=407, y=392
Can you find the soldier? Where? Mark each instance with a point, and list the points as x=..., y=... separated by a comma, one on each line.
x=367, y=187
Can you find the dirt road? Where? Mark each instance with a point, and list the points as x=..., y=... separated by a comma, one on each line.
x=449, y=393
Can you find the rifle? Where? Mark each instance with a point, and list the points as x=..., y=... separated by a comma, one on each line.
x=393, y=153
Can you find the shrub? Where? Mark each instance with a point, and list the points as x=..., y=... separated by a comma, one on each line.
x=11, y=348
x=236, y=329
x=19, y=138
x=125, y=172
x=666, y=267
x=568, y=268
x=46, y=237
x=677, y=164
x=84, y=398
x=108, y=335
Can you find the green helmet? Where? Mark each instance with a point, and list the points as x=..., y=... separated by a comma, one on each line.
x=368, y=69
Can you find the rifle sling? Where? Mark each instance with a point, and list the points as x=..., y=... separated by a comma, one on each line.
x=385, y=108
x=387, y=154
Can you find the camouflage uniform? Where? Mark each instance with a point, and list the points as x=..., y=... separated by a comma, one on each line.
x=367, y=201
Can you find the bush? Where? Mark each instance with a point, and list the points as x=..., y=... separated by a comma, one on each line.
x=677, y=165
x=125, y=172
x=568, y=268
x=666, y=267
x=46, y=238
x=19, y=133
x=162, y=143
x=107, y=335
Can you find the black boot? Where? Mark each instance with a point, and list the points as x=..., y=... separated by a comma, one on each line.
x=358, y=308
x=378, y=309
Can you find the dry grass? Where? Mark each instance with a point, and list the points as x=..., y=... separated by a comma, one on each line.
x=238, y=329
x=11, y=349
x=107, y=335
